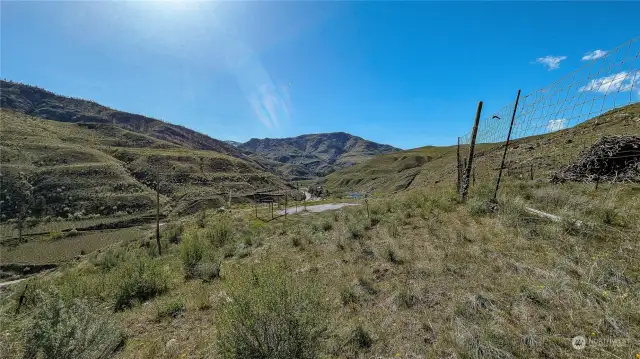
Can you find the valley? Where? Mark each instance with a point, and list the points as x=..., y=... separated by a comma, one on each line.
x=409, y=270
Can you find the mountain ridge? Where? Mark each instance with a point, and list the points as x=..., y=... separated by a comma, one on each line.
x=314, y=155
x=39, y=102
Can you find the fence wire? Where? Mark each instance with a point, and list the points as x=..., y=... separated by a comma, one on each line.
x=599, y=86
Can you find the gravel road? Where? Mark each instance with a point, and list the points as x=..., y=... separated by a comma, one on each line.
x=319, y=208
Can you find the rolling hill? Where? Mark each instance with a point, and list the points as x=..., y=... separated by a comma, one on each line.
x=76, y=157
x=44, y=104
x=315, y=155
x=431, y=165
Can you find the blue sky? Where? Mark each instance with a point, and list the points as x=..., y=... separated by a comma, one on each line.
x=403, y=73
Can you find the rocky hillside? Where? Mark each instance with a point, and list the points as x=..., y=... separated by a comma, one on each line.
x=315, y=155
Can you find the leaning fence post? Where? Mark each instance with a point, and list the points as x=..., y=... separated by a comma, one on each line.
x=467, y=174
x=458, y=166
x=506, y=146
x=531, y=172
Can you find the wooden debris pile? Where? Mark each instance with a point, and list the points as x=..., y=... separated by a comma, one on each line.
x=610, y=159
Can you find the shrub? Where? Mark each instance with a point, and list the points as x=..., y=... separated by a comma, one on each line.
x=480, y=206
x=70, y=330
x=110, y=259
x=327, y=226
x=392, y=229
x=361, y=338
x=220, y=233
x=171, y=308
x=348, y=296
x=137, y=281
x=367, y=286
x=356, y=229
x=173, y=233
x=201, y=219
x=207, y=271
x=247, y=240
x=271, y=314
x=406, y=298
x=200, y=297
x=192, y=252
x=295, y=241
x=391, y=256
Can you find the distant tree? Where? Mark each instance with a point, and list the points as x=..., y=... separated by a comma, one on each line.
x=18, y=200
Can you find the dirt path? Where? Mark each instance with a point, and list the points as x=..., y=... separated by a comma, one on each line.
x=5, y=284
x=319, y=208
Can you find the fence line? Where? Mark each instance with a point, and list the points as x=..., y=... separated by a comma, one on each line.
x=599, y=86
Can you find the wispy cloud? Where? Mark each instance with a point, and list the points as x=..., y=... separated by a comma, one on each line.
x=620, y=82
x=270, y=103
x=551, y=62
x=557, y=125
x=594, y=55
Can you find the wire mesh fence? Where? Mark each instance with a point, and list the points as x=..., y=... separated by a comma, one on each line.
x=561, y=111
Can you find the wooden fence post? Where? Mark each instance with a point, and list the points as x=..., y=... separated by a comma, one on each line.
x=458, y=167
x=158, y=212
x=465, y=180
x=473, y=176
x=506, y=146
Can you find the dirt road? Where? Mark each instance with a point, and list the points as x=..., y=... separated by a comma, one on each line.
x=5, y=284
x=319, y=208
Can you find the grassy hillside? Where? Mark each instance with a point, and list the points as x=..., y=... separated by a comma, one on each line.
x=435, y=165
x=421, y=276
x=41, y=103
x=104, y=169
x=309, y=156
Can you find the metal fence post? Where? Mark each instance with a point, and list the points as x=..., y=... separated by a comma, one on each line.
x=506, y=146
x=467, y=174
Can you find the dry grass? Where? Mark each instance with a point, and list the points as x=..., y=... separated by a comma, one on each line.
x=46, y=250
x=427, y=277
